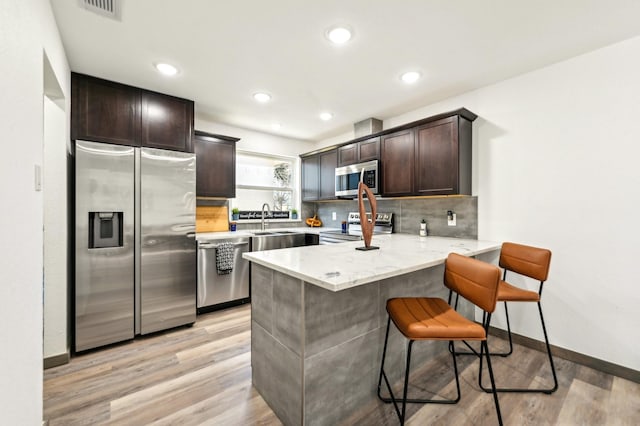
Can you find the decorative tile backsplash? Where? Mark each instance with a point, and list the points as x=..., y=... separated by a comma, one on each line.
x=408, y=213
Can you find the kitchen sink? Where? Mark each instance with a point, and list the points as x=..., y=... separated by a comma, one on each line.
x=271, y=240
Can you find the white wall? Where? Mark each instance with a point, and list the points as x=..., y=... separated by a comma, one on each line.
x=255, y=141
x=55, y=229
x=27, y=30
x=556, y=165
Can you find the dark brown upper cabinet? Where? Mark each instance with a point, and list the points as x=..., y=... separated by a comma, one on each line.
x=311, y=178
x=443, y=157
x=397, y=166
x=215, y=165
x=319, y=176
x=359, y=152
x=328, y=164
x=369, y=150
x=431, y=156
x=348, y=154
x=167, y=122
x=105, y=111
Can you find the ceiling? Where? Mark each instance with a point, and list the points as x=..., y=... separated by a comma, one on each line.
x=228, y=50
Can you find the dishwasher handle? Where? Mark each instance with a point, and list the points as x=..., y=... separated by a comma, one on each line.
x=215, y=246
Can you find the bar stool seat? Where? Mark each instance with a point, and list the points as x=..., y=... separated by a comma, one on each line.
x=511, y=293
x=424, y=318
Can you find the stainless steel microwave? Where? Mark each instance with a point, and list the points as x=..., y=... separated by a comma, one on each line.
x=348, y=178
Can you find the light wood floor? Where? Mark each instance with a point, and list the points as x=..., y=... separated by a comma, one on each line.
x=202, y=375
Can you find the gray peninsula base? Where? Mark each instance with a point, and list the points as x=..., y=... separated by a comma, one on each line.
x=315, y=353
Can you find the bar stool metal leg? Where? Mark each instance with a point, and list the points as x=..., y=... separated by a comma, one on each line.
x=553, y=369
x=401, y=411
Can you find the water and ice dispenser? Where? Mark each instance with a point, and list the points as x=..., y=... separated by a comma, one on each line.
x=105, y=229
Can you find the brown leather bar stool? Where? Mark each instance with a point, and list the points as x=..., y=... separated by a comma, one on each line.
x=532, y=262
x=428, y=318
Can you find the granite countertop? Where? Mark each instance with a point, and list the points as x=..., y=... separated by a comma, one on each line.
x=337, y=267
x=211, y=236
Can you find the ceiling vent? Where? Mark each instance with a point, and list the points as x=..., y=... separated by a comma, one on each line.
x=367, y=127
x=107, y=8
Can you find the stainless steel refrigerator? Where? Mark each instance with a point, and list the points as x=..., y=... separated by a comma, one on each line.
x=135, y=248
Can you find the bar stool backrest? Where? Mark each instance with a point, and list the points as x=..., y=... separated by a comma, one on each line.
x=473, y=279
x=532, y=262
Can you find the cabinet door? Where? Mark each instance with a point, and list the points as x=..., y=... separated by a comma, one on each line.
x=328, y=164
x=369, y=149
x=348, y=154
x=103, y=111
x=167, y=122
x=215, y=167
x=397, y=163
x=311, y=178
x=437, y=158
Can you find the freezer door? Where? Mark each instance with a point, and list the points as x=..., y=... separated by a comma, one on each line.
x=104, y=244
x=167, y=239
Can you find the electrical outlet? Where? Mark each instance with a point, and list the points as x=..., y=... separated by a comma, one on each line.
x=333, y=216
x=451, y=219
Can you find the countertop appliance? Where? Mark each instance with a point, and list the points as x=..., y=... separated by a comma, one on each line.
x=217, y=289
x=383, y=225
x=135, y=248
x=348, y=178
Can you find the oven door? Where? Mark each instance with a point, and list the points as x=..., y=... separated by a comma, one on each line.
x=348, y=178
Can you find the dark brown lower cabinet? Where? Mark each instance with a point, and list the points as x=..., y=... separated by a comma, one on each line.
x=215, y=165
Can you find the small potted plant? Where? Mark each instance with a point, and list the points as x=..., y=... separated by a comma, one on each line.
x=235, y=213
x=294, y=214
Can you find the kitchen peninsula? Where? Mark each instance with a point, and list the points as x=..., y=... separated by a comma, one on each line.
x=318, y=319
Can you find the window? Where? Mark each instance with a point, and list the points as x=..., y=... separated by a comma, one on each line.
x=265, y=178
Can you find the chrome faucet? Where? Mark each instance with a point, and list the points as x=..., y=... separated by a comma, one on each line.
x=268, y=212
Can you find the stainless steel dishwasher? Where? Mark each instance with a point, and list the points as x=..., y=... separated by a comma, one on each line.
x=217, y=290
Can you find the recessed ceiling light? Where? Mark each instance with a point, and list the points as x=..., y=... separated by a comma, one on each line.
x=325, y=116
x=339, y=35
x=166, y=69
x=410, y=77
x=276, y=126
x=262, y=97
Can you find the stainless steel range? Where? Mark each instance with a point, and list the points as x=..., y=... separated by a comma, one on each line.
x=383, y=225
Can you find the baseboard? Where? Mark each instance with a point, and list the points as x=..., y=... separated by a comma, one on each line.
x=595, y=363
x=56, y=360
